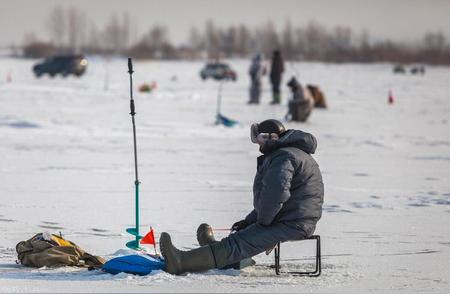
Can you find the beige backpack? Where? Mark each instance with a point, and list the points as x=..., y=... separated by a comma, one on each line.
x=50, y=250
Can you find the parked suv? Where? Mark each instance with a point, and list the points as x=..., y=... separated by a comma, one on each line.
x=62, y=64
x=218, y=71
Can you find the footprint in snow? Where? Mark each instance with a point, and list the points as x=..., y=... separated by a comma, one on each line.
x=365, y=205
x=335, y=208
x=99, y=230
x=360, y=174
x=51, y=227
x=7, y=220
x=50, y=223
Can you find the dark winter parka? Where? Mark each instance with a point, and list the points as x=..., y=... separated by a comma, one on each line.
x=288, y=184
x=297, y=89
x=277, y=68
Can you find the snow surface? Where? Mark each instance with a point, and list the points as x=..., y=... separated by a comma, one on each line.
x=66, y=164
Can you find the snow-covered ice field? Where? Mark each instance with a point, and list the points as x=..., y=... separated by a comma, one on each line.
x=66, y=164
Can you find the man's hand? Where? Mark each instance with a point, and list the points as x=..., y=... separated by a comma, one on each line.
x=240, y=225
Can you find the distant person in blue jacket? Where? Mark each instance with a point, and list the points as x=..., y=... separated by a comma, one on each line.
x=287, y=199
x=256, y=71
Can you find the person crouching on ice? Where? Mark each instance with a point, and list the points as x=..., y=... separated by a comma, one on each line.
x=287, y=199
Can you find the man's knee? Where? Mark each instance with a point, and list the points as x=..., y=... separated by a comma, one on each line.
x=254, y=240
x=250, y=241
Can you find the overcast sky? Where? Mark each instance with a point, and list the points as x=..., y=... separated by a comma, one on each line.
x=401, y=20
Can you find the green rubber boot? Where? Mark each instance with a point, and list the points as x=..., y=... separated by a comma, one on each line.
x=179, y=262
x=205, y=235
x=276, y=99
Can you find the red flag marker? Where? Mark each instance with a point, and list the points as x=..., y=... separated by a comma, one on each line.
x=150, y=239
x=390, y=98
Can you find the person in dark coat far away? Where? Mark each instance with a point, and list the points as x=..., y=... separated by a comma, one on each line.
x=287, y=200
x=276, y=72
x=302, y=102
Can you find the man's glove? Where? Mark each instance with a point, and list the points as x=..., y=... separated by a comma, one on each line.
x=240, y=225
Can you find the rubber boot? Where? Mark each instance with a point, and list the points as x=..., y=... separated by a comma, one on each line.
x=205, y=235
x=276, y=99
x=179, y=262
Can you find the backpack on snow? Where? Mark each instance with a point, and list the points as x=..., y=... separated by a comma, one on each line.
x=50, y=250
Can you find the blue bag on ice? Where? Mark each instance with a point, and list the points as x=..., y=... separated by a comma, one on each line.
x=138, y=264
x=223, y=120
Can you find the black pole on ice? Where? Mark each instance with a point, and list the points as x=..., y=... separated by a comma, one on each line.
x=219, y=104
x=134, y=231
x=133, y=112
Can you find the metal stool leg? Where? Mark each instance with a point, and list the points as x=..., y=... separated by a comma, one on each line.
x=318, y=259
x=277, y=259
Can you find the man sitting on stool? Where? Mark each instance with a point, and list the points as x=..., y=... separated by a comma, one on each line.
x=287, y=199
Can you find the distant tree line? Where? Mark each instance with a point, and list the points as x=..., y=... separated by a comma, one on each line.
x=71, y=31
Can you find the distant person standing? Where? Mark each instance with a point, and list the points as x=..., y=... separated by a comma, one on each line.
x=276, y=71
x=256, y=71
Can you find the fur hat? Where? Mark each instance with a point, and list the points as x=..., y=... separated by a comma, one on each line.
x=270, y=129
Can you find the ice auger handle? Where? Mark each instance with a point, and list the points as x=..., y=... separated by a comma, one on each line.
x=132, y=108
x=130, y=66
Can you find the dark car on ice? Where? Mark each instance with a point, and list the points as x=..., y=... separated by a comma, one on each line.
x=218, y=71
x=62, y=64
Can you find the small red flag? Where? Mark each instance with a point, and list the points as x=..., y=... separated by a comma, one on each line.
x=390, y=97
x=149, y=238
